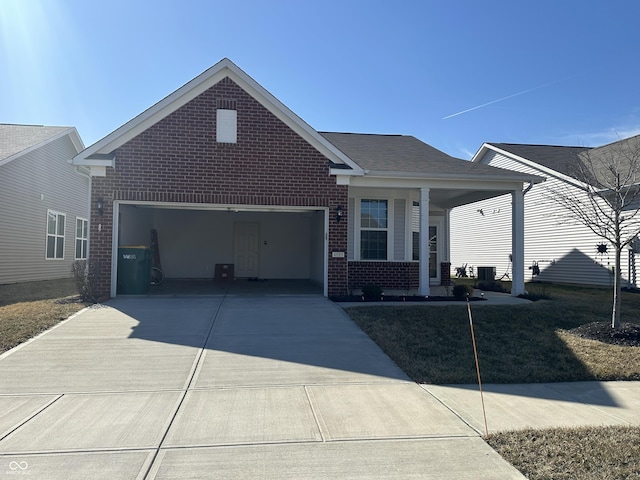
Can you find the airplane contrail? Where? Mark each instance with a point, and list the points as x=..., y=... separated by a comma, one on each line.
x=498, y=100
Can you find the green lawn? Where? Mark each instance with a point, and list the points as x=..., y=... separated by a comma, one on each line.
x=516, y=343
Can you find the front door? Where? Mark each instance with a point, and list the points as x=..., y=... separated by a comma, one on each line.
x=435, y=248
x=247, y=249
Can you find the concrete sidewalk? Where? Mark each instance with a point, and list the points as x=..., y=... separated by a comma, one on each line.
x=543, y=405
x=245, y=387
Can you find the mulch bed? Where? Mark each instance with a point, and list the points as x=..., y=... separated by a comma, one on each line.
x=401, y=298
x=628, y=335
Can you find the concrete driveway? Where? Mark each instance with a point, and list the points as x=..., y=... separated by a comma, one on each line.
x=224, y=387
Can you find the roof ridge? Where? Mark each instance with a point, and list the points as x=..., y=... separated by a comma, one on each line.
x=371, y=134
x=538, y=145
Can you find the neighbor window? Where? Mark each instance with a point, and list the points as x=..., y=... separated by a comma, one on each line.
x=373, y=229
x=55, y=235
x=81, y=238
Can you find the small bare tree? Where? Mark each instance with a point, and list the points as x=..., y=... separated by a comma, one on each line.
x=609, y=204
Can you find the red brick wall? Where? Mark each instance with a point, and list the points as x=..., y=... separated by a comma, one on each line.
x=179, y=160
x=388, y=275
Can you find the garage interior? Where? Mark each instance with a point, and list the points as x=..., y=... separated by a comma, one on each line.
x=230, y=249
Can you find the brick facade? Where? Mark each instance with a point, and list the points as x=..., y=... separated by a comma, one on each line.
x=178, y=160
x=388, y=275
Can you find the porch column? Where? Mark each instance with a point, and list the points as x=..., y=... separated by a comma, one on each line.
x=517, y=243
x=424, y=242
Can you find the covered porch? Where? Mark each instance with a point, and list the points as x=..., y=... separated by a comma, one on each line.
x=399, y=236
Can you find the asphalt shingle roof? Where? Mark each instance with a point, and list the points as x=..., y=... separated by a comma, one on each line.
x=17, y=138
x=557, y=158
x=407, y=154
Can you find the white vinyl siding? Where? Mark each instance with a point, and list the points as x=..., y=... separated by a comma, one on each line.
x=30, y=185
x=226, y=126
x=399, y=229
x=564, y=250
x=82, y=233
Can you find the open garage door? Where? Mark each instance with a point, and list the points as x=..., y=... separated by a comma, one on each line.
x=265, y=246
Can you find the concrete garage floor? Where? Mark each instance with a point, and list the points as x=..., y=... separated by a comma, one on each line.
x=240, y=286
x=224, y=387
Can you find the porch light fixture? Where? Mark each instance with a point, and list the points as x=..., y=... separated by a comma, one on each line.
x=338, y=213
x=100, y=206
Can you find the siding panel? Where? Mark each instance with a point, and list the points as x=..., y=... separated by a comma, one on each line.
x=399, y=229
x=29, y=186
x=564, y=250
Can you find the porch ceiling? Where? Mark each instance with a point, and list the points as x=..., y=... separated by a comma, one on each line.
x=450, y=198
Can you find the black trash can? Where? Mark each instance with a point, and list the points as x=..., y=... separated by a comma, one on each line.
x=134, y=270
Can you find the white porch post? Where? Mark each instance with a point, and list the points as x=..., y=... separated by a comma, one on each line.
x=517, y=243
x=424, y=242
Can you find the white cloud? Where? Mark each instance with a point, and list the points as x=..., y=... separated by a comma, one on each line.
x=603, y=137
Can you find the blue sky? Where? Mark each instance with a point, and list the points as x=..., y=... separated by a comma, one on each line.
x=453, y=73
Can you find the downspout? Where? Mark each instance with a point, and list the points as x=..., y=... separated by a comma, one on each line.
x=528, y=188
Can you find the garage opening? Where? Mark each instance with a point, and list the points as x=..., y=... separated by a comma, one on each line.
x=228, y=249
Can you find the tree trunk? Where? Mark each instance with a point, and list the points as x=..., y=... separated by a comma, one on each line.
x=617, y=291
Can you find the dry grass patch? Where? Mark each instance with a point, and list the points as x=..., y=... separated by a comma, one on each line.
x=587, y=453
x=604, y=361
x=27, y=309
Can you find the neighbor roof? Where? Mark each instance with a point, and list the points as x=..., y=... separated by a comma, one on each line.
x=558, y=158
x=15, y=139
x=400, y=154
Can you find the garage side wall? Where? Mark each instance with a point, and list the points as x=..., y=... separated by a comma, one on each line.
x=178, y=160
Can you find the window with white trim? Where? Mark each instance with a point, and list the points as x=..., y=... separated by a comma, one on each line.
x=374, y=229
x=81, y=238
x=55, y=235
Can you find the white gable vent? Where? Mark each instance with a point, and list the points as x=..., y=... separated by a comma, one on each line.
x=226, y=121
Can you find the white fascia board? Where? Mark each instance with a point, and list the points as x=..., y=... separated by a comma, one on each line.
x=197, y=86
x=455, y=177
x=437, y=183
x=546, y=170
x=73, y=136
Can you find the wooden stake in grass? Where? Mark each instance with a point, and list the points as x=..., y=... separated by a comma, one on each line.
x=475, y=354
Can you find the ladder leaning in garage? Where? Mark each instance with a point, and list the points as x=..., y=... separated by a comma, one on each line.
x=157, y=276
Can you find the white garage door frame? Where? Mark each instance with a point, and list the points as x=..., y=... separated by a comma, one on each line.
x=216, y=207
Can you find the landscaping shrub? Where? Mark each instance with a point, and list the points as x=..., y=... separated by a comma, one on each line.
x=85, y=280
x=491, y=286
x=461, y=291
x=372, y=292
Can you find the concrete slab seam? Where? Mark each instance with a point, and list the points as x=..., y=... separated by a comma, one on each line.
x=31, y=417
x=424, y=387
x=34, y=453
x=315, y=414
x=190, y=380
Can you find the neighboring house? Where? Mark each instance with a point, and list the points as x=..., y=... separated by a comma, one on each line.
x=227, y=174
x=557, y=248
x=44, y=203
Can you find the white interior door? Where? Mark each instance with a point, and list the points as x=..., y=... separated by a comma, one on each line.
x=247, y=249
